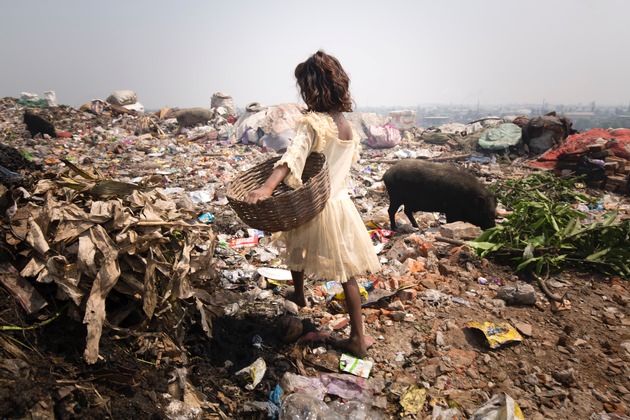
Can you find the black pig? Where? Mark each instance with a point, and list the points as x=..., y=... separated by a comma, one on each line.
x=426, y=186
x=37, y=124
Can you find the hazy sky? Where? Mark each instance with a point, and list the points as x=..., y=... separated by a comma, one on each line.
x=397, y=53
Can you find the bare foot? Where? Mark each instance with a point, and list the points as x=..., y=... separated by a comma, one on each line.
x=298, y=298
x=352, y=345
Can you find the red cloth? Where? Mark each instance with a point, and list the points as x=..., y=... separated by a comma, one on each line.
x=617, y=141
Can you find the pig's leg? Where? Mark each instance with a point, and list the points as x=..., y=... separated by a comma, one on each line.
x=393, y=208
x=409, y=214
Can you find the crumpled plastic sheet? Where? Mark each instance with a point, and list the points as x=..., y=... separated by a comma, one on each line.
x=499, y=407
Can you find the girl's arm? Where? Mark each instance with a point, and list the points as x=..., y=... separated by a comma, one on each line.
x=265, y=191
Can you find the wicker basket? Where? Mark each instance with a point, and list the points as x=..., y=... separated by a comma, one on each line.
x=287, y=208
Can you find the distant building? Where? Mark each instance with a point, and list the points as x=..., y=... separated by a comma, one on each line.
x=575, y=115
x=435, y=121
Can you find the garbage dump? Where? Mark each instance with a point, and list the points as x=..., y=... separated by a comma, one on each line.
x=130, y=288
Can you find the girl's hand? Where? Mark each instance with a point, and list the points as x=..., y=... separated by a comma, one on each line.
x=265, y=191
x=257, y=195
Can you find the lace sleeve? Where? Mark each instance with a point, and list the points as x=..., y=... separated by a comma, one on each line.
x=295, y=157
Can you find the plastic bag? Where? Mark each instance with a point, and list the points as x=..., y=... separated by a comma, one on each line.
x=501, y=137
x=403, y=120
x=499, y=407
x=253, y=373
x=304, y=407
x=382, y=136
x=122, y=97
x=224, y=100
x=51, y=98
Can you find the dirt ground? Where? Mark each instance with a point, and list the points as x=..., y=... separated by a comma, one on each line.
x=573, y=362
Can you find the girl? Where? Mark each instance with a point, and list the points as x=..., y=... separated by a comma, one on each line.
x=335, y=244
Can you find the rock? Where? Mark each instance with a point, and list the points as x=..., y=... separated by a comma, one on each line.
x=417, y=340
x=430, y=372
x=428, y=284
x=523, y=328
x=519, y=294
x=398, y=316
x=339, y=323
x=609, y=319
x=579, y=342
x=439, y=339
x=460, y=230
x=407, y=294
x=566, y=377
x=600, y=396
x=396, y=305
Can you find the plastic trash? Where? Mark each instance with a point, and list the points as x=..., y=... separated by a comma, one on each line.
x=461, y=301
x=345, y=386
x=500, y=137
x=355, y=410
x=383, y=136
x=403, y=120
x=481, y=158
x=441, y=413
x=277, y=274
x=334, y=290
x=355, y=366
x=499, y=407
x=307, y=407
x=51, y=98
x=253, y=373
x=206, y=218
x=291, y=383
x=275, y=400
x=496, y=333
x=413, y=399
x=304, y=407
x=198, y=197
x=243, y=242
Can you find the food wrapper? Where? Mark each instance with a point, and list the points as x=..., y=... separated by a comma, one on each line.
x=355, y=366
x=497, y=333
x=413, y=399
x=335, y=291
x=253, y=373
x=243, y=242
x=371, y=225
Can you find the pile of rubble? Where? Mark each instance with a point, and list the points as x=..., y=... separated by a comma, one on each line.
x=123, y=218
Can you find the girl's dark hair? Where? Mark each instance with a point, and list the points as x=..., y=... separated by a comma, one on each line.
x=323, y=83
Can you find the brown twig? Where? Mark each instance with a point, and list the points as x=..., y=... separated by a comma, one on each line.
x=543, y=286
x=455, y=242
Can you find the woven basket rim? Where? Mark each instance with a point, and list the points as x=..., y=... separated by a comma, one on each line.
x=289, y=207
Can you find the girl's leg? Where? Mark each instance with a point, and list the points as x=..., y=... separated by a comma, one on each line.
x=356, y=343
x=298, y=285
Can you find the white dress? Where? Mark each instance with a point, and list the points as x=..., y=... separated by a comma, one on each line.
x=335, y=245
